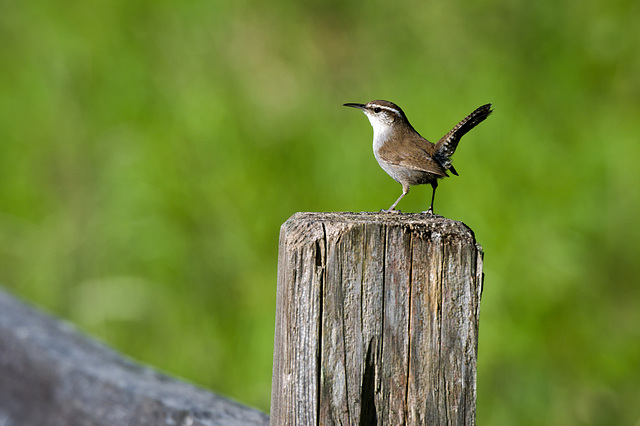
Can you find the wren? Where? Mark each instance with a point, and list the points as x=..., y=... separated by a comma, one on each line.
x=406, y=156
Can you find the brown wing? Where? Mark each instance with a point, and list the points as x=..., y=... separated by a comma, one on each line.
x=412, y=153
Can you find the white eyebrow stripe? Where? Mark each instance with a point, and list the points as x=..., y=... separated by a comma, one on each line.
x=387, y=108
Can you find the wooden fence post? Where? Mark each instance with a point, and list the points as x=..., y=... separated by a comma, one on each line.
x=376, y=320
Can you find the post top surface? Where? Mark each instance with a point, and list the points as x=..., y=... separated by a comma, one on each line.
x=416, y=221
x=380, y=218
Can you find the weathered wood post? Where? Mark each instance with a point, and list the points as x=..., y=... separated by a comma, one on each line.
x=376, y=321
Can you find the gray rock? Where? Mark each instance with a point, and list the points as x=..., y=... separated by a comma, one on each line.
x=50, y=374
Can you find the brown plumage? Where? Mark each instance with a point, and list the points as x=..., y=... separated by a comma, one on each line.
x=406, y=156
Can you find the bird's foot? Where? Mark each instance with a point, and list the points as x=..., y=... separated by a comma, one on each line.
x=390, y=211
x=432, y=214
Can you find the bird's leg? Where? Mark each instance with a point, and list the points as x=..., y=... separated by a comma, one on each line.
x=434, y=185
x=405, y=191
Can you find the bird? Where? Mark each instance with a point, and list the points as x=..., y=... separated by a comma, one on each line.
x=406, y=156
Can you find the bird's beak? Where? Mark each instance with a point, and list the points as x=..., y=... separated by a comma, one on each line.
x=359, y=106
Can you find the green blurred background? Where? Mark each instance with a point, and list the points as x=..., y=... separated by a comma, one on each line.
x=150, y=150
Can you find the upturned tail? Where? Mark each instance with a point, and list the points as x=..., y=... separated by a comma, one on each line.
x=447, y=145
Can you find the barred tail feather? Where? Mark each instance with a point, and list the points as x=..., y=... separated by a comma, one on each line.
x=449, y=142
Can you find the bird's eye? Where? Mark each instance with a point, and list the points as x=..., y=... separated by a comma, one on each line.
x=377, y=110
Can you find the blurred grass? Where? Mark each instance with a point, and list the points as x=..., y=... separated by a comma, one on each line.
x=151, y=150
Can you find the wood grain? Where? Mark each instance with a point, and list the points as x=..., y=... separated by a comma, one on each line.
x=376, y=321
